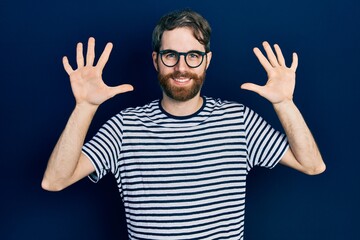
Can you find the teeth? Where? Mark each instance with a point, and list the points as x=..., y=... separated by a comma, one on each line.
x=182, y=80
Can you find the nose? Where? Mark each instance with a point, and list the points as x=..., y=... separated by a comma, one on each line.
x=181, y=65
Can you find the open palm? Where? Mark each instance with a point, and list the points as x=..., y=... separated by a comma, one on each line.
x=86, y=81
x=281, y=79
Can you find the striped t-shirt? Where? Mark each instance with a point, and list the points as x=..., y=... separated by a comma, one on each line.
x=184, y=177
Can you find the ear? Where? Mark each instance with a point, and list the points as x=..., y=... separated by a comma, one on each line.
x=208, y=59
x=155, y=60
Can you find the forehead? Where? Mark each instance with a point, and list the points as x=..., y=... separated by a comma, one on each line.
x=181, y=40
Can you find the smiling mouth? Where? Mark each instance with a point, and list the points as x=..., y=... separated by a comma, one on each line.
x=182, y=80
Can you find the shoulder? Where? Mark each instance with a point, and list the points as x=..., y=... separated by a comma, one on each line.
x=140, y=114
x=218, y=104
x=141, y=111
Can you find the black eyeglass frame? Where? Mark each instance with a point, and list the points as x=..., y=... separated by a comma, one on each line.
x=179, y=54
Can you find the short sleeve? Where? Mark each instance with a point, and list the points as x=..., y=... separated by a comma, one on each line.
x=103, y=149
x=265, y=145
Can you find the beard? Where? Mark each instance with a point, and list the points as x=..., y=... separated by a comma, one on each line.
x=181, y=93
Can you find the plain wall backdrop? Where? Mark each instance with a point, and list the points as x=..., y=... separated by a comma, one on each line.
x=36, y=101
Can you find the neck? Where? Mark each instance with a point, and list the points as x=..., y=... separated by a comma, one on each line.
x=181, y=108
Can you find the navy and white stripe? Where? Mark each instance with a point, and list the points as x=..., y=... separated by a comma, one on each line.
x=184, y=177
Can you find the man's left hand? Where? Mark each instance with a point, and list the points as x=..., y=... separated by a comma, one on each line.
x=281, y=79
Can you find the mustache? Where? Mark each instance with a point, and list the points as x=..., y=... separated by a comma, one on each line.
x=178, y=74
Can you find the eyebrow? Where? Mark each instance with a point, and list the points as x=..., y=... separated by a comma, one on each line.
x=172, y=50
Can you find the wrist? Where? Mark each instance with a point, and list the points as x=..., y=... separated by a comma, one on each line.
x=283, y=105
x=86, y=107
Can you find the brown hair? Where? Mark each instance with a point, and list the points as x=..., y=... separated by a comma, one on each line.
x=183, y=18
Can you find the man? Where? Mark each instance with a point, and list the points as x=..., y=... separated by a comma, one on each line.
x=181, y=162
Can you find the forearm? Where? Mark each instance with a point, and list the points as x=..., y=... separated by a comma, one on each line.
x=301, y=141
x=66, y=154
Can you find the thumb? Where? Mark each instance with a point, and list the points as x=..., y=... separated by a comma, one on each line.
x=121, y=89
x=252, y=87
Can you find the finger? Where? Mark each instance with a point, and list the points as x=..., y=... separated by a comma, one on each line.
x=90, y=55
x=294, y=63
x=67, y=66
x=262, y=59
x=79, y=55
x=252, y=87
x=105, y=56
x=121, y=89
x=270, y=54
x=279, y=55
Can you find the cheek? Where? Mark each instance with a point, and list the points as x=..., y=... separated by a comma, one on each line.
x=200, y=70
x=164, y=70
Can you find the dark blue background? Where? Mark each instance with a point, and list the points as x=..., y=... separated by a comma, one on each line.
x=36, y=101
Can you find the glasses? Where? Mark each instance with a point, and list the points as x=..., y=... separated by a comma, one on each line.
x=192, y=58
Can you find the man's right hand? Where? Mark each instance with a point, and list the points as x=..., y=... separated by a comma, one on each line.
x=86, y=81
x=67, y=164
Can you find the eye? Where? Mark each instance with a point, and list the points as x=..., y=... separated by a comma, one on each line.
x=170, y=55
x=193, y=55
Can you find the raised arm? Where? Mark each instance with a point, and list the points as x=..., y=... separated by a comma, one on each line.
x=303, y=154
x=67, y=164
